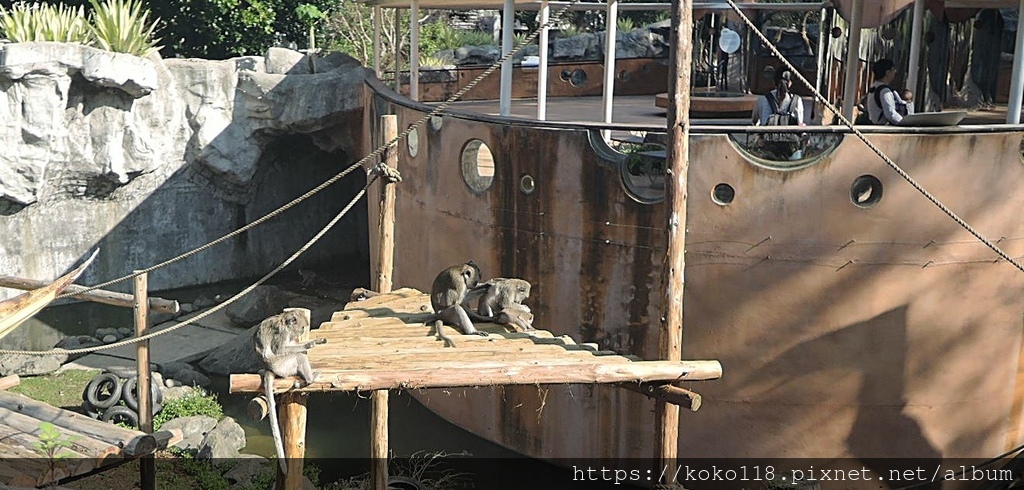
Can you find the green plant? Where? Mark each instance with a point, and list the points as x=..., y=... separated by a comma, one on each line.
x=625, y=24
x=475, y=38
x=44, y=22
x=435, y=61
x=194, y=403
x=310, y=14
x=51, y=441
x=519, y=38
x=19, y=23
x=123, y=26
x=569, y=31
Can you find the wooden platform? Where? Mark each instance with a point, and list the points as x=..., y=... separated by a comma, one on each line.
x=94, y=444
x=383, y=343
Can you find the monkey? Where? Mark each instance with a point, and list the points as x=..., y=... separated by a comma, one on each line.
x=447, y=294
x=516, y=316
x=497, y=294
x=281, y=354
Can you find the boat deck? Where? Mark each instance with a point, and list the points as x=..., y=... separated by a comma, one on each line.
x=641, y=110
x=383, y=343
x=93, y=445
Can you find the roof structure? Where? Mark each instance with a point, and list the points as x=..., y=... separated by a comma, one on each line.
x=383, y=343
x=94, y=445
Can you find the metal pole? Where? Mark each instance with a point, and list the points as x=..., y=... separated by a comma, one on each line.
x=542, y=67
x=853, y=60
x=414, y=50
x=671, y=332
x=147, y=464
x=1017, y=80
x=376, y=40
x=608, y=91
x=508, y=18
x=915, y=47
x=821, y=50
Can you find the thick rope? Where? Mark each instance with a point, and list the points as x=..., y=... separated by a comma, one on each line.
x=372, y=155
x=379, y=170
x=289, y=260
x=888, y=161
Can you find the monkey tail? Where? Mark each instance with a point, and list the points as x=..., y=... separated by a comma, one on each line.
x=441, y=335
x=275, y=429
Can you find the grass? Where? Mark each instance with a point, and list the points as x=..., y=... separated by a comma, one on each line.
x=60, y=390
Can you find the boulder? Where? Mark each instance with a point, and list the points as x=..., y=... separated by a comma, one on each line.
x=77, y=342
x=30, y=365
x=193, y=430
x=235, y=356
x=251, y=309
x=184, y=374
x=224, y=441
x=247, y=469
x=477, y=55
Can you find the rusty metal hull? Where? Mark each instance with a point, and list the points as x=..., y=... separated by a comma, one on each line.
x=843, y=331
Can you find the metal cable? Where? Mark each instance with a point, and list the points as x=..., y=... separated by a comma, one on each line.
x=374, y=154
x=888, y=161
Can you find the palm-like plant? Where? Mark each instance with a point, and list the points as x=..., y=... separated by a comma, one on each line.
x=19, y=23
x=123, y=26
x=62, y=23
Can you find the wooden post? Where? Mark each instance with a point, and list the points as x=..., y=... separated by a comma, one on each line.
x=147, y=464
x=385, y=268
x=292, y=413
x=671, y=338
x=158, y=305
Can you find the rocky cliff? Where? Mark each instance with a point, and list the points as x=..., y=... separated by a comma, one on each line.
x=147, y=158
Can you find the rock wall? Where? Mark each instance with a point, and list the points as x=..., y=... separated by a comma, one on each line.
x=148, y=158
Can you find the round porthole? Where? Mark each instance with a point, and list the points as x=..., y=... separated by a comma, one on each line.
x=477, y=166
x=723, y=194
x=436, y=122
x=527, y=185
x=413, y=142
x=866, y=191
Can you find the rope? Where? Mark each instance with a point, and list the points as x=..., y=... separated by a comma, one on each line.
x=379, y=170
x=888, y=161
x=372, y=155
x=247, y=290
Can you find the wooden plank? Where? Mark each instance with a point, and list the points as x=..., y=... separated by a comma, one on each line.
x=392, y=330
x=9, y=381
x=15, y=477
x=473, y=374
x=147, y=465
x=81, y=444
x=64, y=419
x=383, y=360
x=515, y=349
x=159, y=305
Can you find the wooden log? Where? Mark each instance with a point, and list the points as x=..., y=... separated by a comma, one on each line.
x=158, y=305
x=147, y=465
x=379, y=439
x=386, y=223
x=258, y=408
x=670, y=338
x=456, y=374
x=667, y=393
x=292, y=410
x=9, y=381
x=15, y=477
x=13, y=423
x=168, y=437
x=64, y=419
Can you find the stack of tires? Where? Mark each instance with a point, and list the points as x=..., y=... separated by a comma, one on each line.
x=113, y=397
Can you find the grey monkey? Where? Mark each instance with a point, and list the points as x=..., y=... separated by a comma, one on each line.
x=282, y=354
x=498, y=294
x=447, y=293
x=517, y=316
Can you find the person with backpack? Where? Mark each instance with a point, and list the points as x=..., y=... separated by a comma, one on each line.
x=884, y=104
x=780, y=107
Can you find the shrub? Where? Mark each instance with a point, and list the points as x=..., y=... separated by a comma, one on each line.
x=19, y=23
x=44, y=22
x=123, y=26
x=475, y=38
x=194, y=403
x=625, y=24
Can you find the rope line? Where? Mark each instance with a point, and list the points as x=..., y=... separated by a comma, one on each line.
x=379, y=170
x=374, y=154
x=888, y=161
x=247, y=290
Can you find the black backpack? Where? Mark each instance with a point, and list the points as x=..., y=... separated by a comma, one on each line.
x=901, y=107
x=779, y=117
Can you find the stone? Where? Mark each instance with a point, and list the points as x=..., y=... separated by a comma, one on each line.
x=193, y=430
x=103, y=332
x=246, y=470
x=476, y=55
x=253, y=308
x=176, y=392
x=224, y=441
x=124, y=332
x=30, y=365
x=77, y=342
x=186, y=308
x=234, y=357
x=185, y=374
x=203, y=301
x=109, y=339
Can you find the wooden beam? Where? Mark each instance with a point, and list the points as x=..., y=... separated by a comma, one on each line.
x=292, y=420
x=455, y=374
x=133, y=443
x=144, y=392
x=385, y=268
x=666, y=392
x=158, y=305
x=671, y=332
x=9, y=381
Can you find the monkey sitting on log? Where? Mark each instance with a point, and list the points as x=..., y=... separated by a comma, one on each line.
x=447, y=294
x=501, y=301
x=282, y=354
